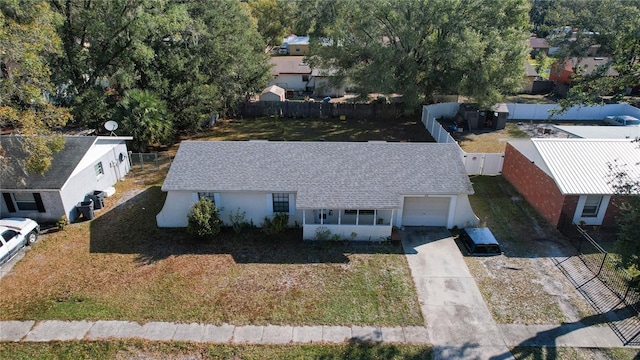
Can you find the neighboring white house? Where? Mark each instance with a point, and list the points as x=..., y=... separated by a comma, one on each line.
x=273, y=93
x=356, y=190
x=86, y=164
x=290, y=73
x=321, y=83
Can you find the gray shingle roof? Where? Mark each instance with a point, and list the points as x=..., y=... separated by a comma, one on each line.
x=323, y=174
x=62, y=164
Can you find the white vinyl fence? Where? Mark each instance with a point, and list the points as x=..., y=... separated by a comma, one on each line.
x=476, y=164
x=576, y=113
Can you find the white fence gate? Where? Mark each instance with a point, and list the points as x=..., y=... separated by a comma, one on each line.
x=475, y=164
x=483, y=163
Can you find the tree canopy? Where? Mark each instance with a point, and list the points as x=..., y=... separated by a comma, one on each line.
x=608, y=28
x=27, y=40
x=198, y=57
x=422, y=48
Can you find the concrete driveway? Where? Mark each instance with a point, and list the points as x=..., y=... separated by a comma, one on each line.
x=459, y=324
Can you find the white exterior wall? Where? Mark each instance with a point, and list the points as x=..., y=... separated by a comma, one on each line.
x=345, y=232
x=175, y=209
x=290, y=82
x=257, y=206
x=83, y=180
x=463, y=215
x=323, y=87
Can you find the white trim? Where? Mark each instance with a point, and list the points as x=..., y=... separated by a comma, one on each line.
x=591, y=220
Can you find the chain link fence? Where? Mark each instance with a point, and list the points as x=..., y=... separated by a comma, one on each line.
x=149, y=161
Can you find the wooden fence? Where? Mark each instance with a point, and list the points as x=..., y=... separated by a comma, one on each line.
x=301, y=109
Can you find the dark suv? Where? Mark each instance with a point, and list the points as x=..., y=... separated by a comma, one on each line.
x=479, y=241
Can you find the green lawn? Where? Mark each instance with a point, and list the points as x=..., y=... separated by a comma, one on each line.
x=133, y=349
x=121, y=266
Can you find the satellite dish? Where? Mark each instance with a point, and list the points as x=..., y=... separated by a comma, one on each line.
x=111, y=126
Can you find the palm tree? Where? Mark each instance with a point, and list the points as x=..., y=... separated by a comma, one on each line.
x=144, y=115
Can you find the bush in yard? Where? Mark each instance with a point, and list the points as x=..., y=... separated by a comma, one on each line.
x=240, y=224
x=204, y=220
x=276, y=225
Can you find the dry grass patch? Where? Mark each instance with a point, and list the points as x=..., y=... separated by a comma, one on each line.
x=523, y=285
x=494, y=141
x=121, y=266
x=135, y=349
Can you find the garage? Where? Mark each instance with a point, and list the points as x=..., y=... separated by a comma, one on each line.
x=425, y=211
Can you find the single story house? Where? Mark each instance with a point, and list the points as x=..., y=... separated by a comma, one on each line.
x=538, y=45
x=86, y=164
x=356, y=190
x=568, y=180
x=273, y=93
x=563, y=72
x=290, y=73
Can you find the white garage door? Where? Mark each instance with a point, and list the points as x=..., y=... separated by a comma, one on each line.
x=425, y=211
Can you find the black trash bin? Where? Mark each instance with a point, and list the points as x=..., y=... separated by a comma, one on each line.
x=98, y=199
x=86, y=209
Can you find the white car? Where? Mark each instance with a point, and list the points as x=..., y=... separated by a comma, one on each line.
x=14, y=234
x=622, y=120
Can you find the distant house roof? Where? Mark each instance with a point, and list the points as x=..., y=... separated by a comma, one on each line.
x=296, y=40
x=581, y=166
x=538, y=43
x=589, y=64
x=289, y=65
x=601, y=132
x=274, y=89
x=348, y=175
x=62, y=164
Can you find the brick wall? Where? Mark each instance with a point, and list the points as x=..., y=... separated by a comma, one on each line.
x=534, y=185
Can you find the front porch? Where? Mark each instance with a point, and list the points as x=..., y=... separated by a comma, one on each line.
x=347, y=224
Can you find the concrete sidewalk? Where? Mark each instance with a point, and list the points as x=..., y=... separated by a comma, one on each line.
x=56, y=330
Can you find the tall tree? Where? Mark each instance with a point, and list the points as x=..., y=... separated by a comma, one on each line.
x=199, y=57
x=144, y=116
x=625, y=181
x=27, y=41
x=422, y=48
x=611, y=26
x=274, y=18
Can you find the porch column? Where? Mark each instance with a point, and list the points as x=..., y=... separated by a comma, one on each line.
x=304, y=218
x=358, y=217
x=392, y=214
x=339, y=216
x=375, y=217
x=321, y=217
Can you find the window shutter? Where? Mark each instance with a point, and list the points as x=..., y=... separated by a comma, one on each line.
x=9, y=202
x=39, y=203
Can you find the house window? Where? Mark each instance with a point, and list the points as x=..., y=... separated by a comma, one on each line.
x=208, y=195
x=281, y=202
x=305, y=77
x=297, y=49
x=362, y=212
x=98, y=169
x=591, y=206
x=23, y=202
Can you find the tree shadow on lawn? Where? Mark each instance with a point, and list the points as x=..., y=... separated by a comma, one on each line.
x=130, y=228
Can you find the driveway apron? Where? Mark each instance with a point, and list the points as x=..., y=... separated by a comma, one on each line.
x=459, y=324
